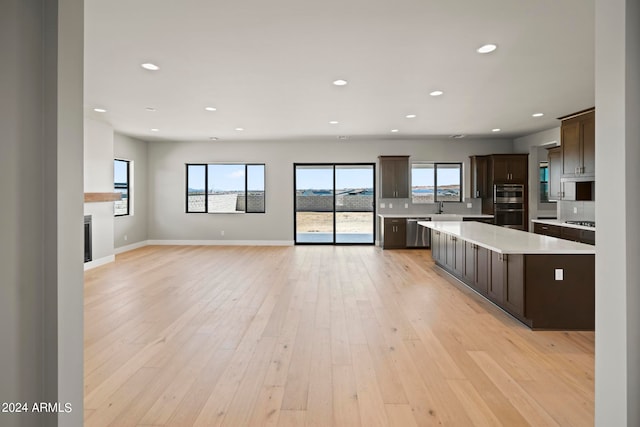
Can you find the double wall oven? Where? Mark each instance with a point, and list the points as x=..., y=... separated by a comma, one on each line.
x=508, y=205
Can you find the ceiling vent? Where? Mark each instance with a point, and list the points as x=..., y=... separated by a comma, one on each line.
x=342, y=137
x=458, y=136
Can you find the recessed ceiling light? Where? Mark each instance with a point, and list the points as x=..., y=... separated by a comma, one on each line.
x=213, y=138
x=99, y=110
x=339, y=82
x=411, y=116
x=487, y=48
x=395, y=130
x=342, y=137
x=239, y=129
x=436, y=93
x=151, y=109
x=149, y=66
x=155, y=130
x=538, y=114
x=496, y=130
x=210, y=108
x=333, y=122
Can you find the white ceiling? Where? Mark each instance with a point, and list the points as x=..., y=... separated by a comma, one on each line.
x=268, y=67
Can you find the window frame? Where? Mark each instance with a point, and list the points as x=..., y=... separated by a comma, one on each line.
x=127, y=187
x=435, y=181
x=246, y=190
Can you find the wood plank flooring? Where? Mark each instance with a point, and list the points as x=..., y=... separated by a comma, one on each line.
x=316, y=336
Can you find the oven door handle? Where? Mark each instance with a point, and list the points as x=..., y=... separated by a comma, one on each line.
x=509, y=210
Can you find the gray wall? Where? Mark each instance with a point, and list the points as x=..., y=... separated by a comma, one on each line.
x=41, y=45
x=98, y=178
x=167, y=217
x=617, y=207
x=531, y=144
x=133, y=227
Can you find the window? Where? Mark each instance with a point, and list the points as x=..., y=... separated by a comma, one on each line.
x=225, y=188
x=121, y=184
x=436, y=182
x=544, y=182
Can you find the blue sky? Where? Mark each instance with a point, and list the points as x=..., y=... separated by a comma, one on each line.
x=321, y=177
x=119, y=171
x=226, y=177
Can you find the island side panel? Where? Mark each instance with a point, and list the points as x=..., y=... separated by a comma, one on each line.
x=560, y=304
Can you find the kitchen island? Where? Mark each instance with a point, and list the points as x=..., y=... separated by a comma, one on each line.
x=543, y=281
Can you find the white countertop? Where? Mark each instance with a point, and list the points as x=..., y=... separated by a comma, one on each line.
x=561, y=223
x=434, y=216
x=506, y=240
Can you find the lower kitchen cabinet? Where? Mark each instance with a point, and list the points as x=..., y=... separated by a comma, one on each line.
x=566, y=233
x=495, y=290
x=547, y=229
x=476, y=267
x=454, y=254
x=394, y=233
x=524, y=285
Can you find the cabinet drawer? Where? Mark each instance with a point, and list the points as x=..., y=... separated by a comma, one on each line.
x=570, y=234
x=547, y=229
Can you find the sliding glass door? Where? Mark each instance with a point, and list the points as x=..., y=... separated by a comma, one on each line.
x=334, y=203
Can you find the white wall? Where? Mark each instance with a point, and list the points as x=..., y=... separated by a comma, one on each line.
x=617, y=205
x=98, y=178
x=41, y=311
x=131, y=229
x=167, y=217
x=531, y=144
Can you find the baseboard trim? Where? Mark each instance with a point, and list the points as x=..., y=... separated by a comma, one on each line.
x=221, y=242
x=131, y=247
x=98, y=262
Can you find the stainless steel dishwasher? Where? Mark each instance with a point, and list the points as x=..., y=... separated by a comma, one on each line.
x=417, y=235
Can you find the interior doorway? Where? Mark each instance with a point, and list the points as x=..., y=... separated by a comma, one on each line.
x=334, y=203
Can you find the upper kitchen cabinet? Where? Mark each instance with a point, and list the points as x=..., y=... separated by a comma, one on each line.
x=578, y=142
x=479, y=176
x=509, y=168
x=394, y=177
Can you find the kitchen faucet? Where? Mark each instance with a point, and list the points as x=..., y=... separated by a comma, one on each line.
x=440, y=207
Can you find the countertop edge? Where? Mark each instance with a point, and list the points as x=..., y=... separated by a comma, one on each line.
x=587, y=251
x=560, y=223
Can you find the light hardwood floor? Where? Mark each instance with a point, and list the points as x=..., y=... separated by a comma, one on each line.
x=316, y=335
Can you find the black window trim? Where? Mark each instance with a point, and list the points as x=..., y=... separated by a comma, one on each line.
x=206, y=183
x=435, y=180
x=127, y=187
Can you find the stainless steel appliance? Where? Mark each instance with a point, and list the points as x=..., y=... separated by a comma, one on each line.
x=417, y=235
x=508, y=205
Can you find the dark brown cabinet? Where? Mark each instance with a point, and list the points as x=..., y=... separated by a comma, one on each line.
x=394, y=177
x=480, y=176
x=547, y=229
x=577, y=136
x=509, y=168
x=578, y=235
x=506, y=287
x=495, y=290
x=394, y=233
x=567, y=233
x=476, y=267
x=437, y=246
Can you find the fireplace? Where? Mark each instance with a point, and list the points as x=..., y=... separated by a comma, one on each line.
x=87, y=238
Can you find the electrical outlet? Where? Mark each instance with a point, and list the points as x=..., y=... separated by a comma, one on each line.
x=382, y=205
x=575, y=210
x=125, y=237
x=222, y=232
x=559, y=274
x=390, y=205
x=406, y=205
x=469, y=205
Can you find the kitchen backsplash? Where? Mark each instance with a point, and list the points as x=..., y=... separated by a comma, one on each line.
x=572, y=211
x=398, y=207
